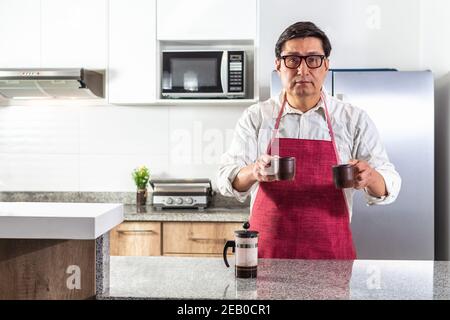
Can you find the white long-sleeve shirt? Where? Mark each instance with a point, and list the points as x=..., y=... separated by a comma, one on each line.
x=355, y=134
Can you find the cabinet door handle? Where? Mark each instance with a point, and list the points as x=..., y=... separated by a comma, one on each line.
x=136, y=231
x=208, y=239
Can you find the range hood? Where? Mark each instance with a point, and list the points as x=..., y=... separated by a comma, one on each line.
x=51, y=84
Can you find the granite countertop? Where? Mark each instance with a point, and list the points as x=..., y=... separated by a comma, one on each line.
x=208, y=278
x=222, y=209
x=219, y=214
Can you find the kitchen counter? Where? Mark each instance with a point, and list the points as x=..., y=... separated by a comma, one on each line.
x=54, y=250
x=222, y=209
x=208, y=278
x=213, y=214
x=53, y=220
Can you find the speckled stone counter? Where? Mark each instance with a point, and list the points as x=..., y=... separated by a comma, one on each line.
x=148, y=213
x=222, y=209
x=208, y=278
x=102, y=264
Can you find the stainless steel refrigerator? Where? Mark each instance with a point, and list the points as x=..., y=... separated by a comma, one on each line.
x=402, y=106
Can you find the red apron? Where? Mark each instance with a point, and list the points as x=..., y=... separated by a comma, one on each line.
x=307, y=218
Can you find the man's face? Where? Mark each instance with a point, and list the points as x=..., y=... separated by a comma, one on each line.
x=303, y=81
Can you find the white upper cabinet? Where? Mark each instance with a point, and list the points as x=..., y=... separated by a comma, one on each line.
x=132, y=51
x=74, y=33
x=206, y=19
x=19, y=34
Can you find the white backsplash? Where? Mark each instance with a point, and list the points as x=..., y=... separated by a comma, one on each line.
x=95, y=148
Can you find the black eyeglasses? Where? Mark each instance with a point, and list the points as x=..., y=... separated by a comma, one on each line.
x=293, y=61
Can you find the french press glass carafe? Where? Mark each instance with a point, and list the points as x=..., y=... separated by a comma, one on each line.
x=245, y=248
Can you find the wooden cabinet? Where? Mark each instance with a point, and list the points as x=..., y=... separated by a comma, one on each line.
x=136, y=239
x=206, y=19
x=171, y=238
x=197, y=238
x=132, y=51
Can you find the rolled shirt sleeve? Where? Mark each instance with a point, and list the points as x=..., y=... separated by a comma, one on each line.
x=225, y=178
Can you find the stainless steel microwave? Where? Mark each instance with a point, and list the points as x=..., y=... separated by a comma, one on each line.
x=203, y=74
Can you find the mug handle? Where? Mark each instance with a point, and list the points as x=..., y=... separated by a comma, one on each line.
x=273, y=168
x=229, y=244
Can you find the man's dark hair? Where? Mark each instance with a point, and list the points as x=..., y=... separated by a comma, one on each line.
x=302, y=30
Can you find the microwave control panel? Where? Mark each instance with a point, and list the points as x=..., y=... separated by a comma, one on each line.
x=236, y=71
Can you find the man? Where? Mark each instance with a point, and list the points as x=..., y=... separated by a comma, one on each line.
x=307, y=218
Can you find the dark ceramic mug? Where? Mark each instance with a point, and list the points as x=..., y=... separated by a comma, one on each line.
x=344, y=176
x=283, y=168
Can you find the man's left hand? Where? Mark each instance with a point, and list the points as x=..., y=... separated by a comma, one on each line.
x=368, y=177
x=363, y=173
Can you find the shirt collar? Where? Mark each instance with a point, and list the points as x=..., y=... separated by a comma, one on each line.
x=319, y=108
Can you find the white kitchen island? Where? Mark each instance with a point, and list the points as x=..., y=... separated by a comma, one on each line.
x=55, y=250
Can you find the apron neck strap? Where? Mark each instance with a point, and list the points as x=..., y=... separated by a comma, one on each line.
x=327, y=117
x=280, y=113
x=330, y=128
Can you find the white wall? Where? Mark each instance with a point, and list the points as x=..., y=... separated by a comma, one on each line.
x=435, y=36
x=95, y=148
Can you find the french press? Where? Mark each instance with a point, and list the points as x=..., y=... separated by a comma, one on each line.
x=245, y=248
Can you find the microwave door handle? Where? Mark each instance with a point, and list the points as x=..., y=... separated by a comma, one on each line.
x=224, y=72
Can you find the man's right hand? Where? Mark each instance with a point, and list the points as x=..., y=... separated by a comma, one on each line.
x=260, y=172
x=252, y=173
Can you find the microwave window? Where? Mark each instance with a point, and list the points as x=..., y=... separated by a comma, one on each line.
x=194, y=73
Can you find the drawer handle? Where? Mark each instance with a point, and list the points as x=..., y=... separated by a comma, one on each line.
x=136, y=231
x=208, y=239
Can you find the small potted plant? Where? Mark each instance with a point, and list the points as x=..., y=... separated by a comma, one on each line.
x=141, y=176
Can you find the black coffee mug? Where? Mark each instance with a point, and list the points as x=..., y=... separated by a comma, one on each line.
x=283, y=168
x=344, y=176
x=287, y=168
